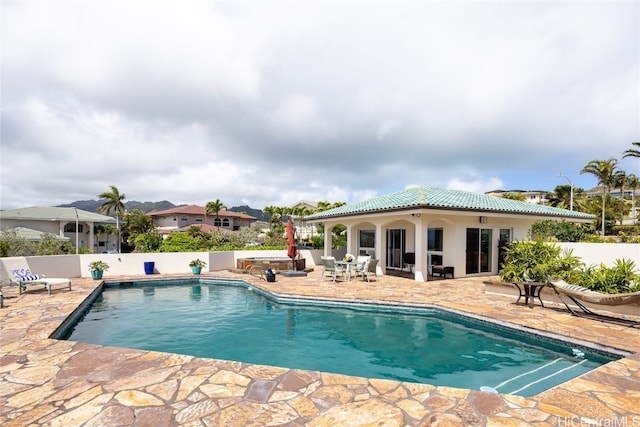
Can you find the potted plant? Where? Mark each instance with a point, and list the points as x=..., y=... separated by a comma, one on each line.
x=97, y=268
x=196, y=265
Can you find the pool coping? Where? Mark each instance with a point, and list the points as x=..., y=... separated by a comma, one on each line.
x=320, y=399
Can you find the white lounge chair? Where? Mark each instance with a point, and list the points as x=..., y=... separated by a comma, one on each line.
x=22, y=277
x=579, y=295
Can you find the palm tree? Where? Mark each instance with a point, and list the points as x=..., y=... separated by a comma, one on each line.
x=632, y=152
x=604, y=171
x=138, y=223
x=114, y=202
x=214, y=208
x=619, y=181
x=633, y=183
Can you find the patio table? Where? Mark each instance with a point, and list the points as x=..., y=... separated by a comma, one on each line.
x=530, y=291
x=348, y=265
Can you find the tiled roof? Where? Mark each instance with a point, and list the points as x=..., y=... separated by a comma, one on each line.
x=440, y=198
x=41, y=213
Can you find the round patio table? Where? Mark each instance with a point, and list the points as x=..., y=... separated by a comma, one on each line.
x=530, y=291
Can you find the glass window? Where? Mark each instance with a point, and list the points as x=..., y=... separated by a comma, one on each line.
x=367, y=242
x=435, y=238
x=225, y=222
x=217, y=222
x=71, y=228
x=367, y=238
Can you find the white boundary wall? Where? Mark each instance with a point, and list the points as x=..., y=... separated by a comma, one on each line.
x=604, y=253
x=178, y=262
x=133, y=264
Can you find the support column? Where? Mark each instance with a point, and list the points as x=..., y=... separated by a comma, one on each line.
x=91, y=236
x=380, y=248
x=327, y=240
x=421, y=269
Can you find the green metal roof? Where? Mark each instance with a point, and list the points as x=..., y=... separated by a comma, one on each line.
x=34, y=235
x=440, y=198
x=44, y=213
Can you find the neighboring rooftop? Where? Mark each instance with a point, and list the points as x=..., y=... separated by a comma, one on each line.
x=199, y=210
x=41, y=213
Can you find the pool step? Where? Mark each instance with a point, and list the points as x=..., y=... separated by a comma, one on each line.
x=542, y=378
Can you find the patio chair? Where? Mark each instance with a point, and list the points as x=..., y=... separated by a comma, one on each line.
x=329, y=266
x=22, y=277
x=370, y=270
x=580, y=295
x=361, y=265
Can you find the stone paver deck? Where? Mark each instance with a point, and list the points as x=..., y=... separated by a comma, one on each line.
x=62, y=383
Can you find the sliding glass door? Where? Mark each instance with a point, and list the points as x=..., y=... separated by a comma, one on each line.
x=395, y=247
x=479, y=251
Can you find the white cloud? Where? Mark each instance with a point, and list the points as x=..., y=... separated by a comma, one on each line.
x=265, y=103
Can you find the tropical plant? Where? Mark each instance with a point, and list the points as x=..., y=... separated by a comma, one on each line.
x=182, y=242
x=148, y=242
x=561, y=231
x=137, y=223
x=632, y=152
x=515, y=196
x=197, y=263
x=50, y=244
x=633, y=182
x=214, y=207
x=98, y=265
x=620, y=278
x=113, y=202
x=535, y=259
x=603, y=170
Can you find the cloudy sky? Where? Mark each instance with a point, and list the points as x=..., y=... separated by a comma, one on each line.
x=263, y=102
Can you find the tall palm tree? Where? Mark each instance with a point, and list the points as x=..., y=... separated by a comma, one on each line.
x=114, y=201
x=633, y=182
x=604, y=171
x=632, y=152
x=214, y=207
x=137, y=223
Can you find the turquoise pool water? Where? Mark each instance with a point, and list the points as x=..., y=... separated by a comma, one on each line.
x=227, y=321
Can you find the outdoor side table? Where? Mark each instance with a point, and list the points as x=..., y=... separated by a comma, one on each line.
x=530, y=291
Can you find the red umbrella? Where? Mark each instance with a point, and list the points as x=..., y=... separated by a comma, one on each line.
x=292, y=251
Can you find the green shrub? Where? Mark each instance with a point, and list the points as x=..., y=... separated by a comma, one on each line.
x=537, y=258
x=532, y=258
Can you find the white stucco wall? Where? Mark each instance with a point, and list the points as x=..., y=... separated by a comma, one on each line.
x=133, y=264
x=606, y=253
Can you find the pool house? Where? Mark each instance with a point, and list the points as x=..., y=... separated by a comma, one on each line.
x=437, y=231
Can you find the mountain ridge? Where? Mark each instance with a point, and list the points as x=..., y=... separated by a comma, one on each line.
x=146, y=207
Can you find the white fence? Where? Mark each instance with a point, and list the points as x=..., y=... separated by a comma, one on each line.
x=133, y=264
x=605, y=253
x=178, y=262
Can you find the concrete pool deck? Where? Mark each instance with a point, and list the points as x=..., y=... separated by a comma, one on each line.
x=62, y=383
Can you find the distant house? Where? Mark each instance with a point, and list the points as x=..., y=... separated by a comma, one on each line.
x=530, y=196
x=181, y=218
x=421, y=228
x=58, y=221
x=304, y=231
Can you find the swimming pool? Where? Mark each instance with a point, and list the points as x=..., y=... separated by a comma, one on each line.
x=231, y=320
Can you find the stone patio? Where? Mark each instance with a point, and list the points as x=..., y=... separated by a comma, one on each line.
x=62, y=383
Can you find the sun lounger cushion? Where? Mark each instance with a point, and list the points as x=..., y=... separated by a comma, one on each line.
x=24, y=275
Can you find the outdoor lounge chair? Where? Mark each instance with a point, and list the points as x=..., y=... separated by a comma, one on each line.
x=580, y=295
x=22, y=278
x=329, y=266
